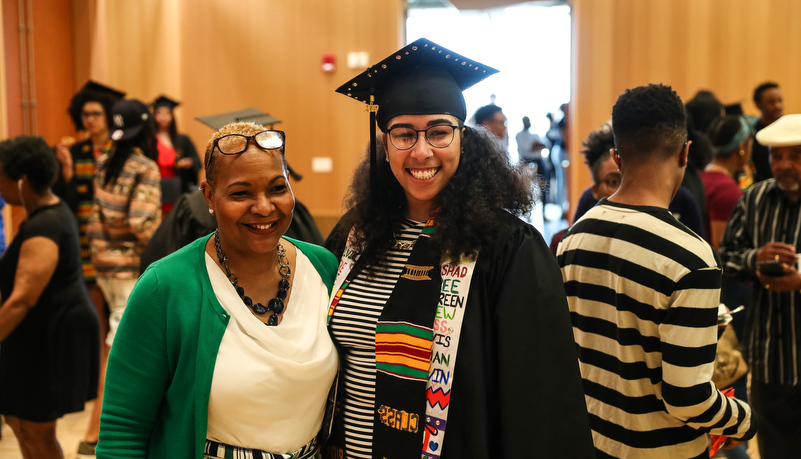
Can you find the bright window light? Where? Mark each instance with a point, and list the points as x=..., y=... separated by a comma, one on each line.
x=530, y=45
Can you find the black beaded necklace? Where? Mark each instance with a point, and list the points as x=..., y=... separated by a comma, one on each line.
x=276, y=305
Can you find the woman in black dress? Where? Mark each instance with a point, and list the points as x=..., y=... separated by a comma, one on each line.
x=49, y=331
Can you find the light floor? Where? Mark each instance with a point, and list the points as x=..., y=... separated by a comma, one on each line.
x=71, y=428
x=70, y=431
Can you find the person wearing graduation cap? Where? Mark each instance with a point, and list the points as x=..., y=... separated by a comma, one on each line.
x=178, y=161
x=90, y=110
x=449, y=313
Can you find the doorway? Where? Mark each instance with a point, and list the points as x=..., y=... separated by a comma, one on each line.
x=530, y=44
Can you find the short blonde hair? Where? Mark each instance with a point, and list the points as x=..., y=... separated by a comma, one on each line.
x=244, y=128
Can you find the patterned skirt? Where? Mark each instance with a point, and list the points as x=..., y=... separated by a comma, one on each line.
x=215, y=450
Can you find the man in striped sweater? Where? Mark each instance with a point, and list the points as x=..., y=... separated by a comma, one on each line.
x=643, y=292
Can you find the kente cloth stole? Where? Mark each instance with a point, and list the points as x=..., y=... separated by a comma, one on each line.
x=416, y=342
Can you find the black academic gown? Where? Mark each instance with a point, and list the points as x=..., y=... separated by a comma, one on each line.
x=184, y=148
x=517, y=390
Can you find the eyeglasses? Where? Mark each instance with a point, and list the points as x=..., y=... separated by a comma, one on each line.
x=438, y=136
x=234, y=144
x=92, y=114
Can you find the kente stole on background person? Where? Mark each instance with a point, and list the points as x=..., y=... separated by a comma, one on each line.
x=416, y=349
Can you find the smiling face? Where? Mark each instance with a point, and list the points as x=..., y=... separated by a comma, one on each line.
x=423, y=171
x=252, y=200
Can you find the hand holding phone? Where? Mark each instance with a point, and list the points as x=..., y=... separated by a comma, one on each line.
x=770, y=268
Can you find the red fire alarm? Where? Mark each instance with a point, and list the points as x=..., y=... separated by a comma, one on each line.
x=329, y=63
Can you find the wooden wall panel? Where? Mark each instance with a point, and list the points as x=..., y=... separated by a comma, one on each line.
x=727, y=46
x=142, y=48
x=12, y=95
x=218, y=56
x=49, y=77
x=53, y=68
x=4, y=66
x=51, y=72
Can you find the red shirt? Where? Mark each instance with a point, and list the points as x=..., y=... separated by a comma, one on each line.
x=722, y=194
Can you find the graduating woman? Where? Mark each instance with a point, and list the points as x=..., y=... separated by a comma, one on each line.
x=450, y=314
x=178, y=160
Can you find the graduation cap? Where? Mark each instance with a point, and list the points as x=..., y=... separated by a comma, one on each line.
x=92, y=91
x=422, y=78
x=250, y=114
x=735, y=108
x=98, y=88
x=164, y=101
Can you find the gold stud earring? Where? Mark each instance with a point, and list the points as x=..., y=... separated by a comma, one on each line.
x=742, y=152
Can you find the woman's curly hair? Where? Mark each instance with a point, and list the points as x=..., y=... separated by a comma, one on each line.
x=484, y=186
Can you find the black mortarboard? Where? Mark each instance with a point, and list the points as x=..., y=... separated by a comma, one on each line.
x=422, y=78
x=164, y=101
x=733, y=109
x=92, y=91
x=254, y=115
x=95, y=87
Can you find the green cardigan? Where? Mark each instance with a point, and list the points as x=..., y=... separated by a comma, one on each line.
x=161, y=364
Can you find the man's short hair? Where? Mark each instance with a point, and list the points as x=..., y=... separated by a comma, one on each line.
x=761, y=90
x=649, y=122
x=486, y=113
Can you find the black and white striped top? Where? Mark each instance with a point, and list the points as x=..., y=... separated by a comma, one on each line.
x=643, y=292
x=772, y=340
x=353, y=329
